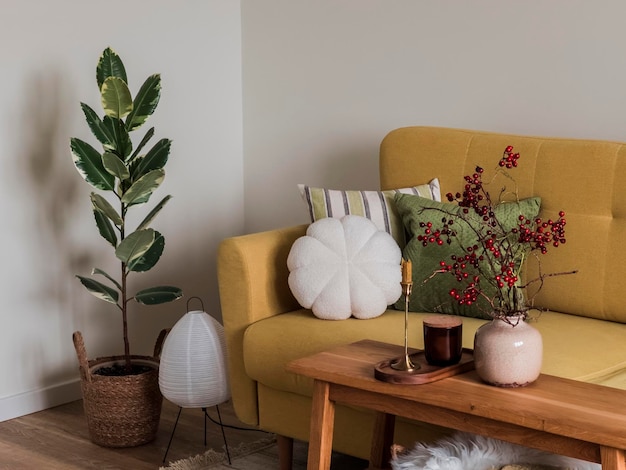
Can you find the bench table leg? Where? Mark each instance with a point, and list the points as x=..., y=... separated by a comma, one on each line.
x=322, y=427
x=612, y=459
x=382, y=439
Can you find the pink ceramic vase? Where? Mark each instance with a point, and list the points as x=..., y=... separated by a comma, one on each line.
x=508, y=354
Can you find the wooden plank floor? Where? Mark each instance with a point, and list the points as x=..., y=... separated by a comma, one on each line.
x=57, y=439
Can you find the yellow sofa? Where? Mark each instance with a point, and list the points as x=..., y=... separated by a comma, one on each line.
x=584, y=329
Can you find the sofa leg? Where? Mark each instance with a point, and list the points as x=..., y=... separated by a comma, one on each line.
x=285, y=452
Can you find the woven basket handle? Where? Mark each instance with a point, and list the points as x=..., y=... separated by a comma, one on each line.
x=81, y=352
x=158, y=346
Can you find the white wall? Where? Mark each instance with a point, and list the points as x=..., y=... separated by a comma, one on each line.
x=49, y=52
x=325, y=80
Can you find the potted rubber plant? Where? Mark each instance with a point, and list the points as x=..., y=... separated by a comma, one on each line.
x=121, y=395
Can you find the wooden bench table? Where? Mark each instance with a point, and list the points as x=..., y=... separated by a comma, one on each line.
x=567, y=417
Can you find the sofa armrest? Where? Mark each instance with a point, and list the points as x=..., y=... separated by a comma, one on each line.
x=252, y=276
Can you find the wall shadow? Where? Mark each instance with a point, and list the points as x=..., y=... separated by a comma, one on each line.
x=49, y=203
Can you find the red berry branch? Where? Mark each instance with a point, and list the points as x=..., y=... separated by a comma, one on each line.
x=490, y=267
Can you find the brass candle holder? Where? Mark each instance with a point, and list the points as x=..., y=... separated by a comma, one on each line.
x=414, y=368
x=405, y=364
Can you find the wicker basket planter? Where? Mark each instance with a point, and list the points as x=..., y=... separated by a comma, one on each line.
x=121, y=411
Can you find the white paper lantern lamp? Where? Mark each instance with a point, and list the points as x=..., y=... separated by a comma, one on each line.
x=193, y=371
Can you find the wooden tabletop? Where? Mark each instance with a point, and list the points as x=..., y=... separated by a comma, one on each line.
x=564, y=407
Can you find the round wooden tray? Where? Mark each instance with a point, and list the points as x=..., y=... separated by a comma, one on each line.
x=424, y=372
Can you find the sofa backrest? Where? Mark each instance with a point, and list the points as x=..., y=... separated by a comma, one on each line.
x=585, y=178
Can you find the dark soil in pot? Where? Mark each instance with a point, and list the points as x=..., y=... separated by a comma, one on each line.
x=120, y=370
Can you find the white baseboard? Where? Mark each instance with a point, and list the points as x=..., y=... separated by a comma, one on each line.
x=38, y=400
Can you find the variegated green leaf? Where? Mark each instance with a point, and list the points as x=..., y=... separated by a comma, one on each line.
x=109, y=65
x=115, y=166
x=145, y=102
x=102, y=205
x=158, y=295
x=144, y=141
x=105, y=228
x=88, y=162
x=153, y=213
x=116, y=127
x=141, y=200
x=155, y=158
x=143, y=188
x=135, y=245
x=99, y=290
x=150, y=258
x=102, y=273
x=98, y=128
x=117, y=101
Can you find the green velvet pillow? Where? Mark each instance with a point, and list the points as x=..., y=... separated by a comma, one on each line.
x=431, y=293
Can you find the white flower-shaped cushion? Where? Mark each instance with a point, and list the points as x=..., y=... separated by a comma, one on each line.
x=345, y=267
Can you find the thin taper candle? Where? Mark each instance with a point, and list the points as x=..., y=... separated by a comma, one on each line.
x=407, y=271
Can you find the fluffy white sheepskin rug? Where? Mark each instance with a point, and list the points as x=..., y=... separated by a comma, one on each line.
x=463, y=451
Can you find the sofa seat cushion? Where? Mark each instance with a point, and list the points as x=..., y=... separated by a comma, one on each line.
x=574, y=347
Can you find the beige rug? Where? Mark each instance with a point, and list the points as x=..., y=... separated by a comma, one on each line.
x=260, y=455
x=240, y=457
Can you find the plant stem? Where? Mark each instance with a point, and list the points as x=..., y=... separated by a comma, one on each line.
x=125, y=320
x=124, y=302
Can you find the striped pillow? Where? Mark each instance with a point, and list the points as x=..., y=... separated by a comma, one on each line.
x=378, y=206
